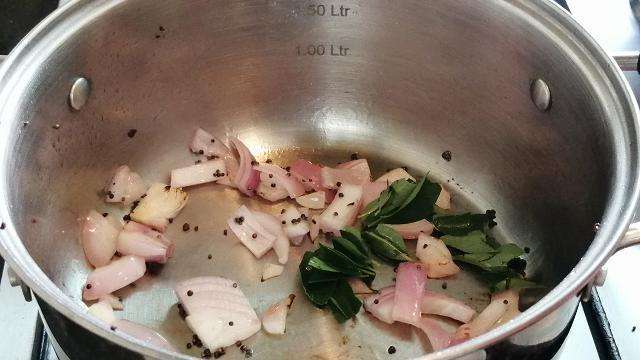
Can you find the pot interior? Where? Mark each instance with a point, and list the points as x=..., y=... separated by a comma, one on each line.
x=399, y=85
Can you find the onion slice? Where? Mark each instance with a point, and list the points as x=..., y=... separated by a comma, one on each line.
x=314, y=200
x=484, y=322
x=268, y=192
x=411, y=231
x=381, y=305
x=444, y=199
x=307, y=173
x=204, y=143
x=295, y=224
x=208, y=171
x=144, y=334
x=512, y=299
x=103, y=311
x=314, y=227
x=359, y=287
x=161, y=204
x=410, y=282
x=218, y=312
x=274, y=319
x=372, y=191
x=270, y=271
x=359, y=165
x=443, y=305
x=433, y=253
x=140, y=240
x=274, y=227
x=435, y=331
x=250, y=232
x=118, y=274
x=113, y=301
x=395, y=175
x=332, y=178
x=279, y=176
x=124, y=186
x=247, y=178
x=343, y=210
x=99, y=234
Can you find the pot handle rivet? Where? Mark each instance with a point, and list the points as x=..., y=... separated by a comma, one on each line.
x=79, y=93
x=540, y=95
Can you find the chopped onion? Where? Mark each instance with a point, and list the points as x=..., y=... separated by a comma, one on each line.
x=250, y=232
x=443, y=305
x=274, y=227
x=314, y=227
x=282, y=178
x=113, y=301
x=270, y=271
x=274, y=319
x=231, y=164
x=271, y=193
x=381, y=305
x=295, y=225
x=144, y=334
x=118, y=274
x=125, y=186
x=410, y=282
x=204, y=143
x=359, y=287
x=307, y=173
x=512, y=298
x=411, y=231
x=395, y=175
x=204, y=172
x=343, y=210
x=161, y=204
x=99, y=234
x=103, y=311
x=372, y=191
x=444, y=199
x=360, y=165
x=218, y=312
x=315, y=200
x=247, y=178
x=433, y=253
x=484, y=322
x=140, y=240
x=435, y=331
x=332, y=177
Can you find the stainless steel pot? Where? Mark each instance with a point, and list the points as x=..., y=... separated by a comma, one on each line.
x=540, y=121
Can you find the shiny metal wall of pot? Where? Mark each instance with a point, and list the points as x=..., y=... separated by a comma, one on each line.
x=400, y=83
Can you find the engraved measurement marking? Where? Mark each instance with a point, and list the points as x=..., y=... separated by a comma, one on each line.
x=322, y=50
x=328, y=10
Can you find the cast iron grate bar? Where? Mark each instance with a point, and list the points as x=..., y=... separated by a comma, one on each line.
x=600, y=328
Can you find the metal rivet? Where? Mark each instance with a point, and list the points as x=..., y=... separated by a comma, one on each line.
x=79, y=93
x=540, y=95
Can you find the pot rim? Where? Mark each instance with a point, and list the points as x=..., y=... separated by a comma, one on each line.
x=617, y=216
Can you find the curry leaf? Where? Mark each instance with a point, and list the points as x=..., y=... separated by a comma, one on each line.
x=514, y=283
x=419, y=205
x=387, y=247
x=355, y=236
x=343, y=303
x=465, y=223
x=473, y=242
